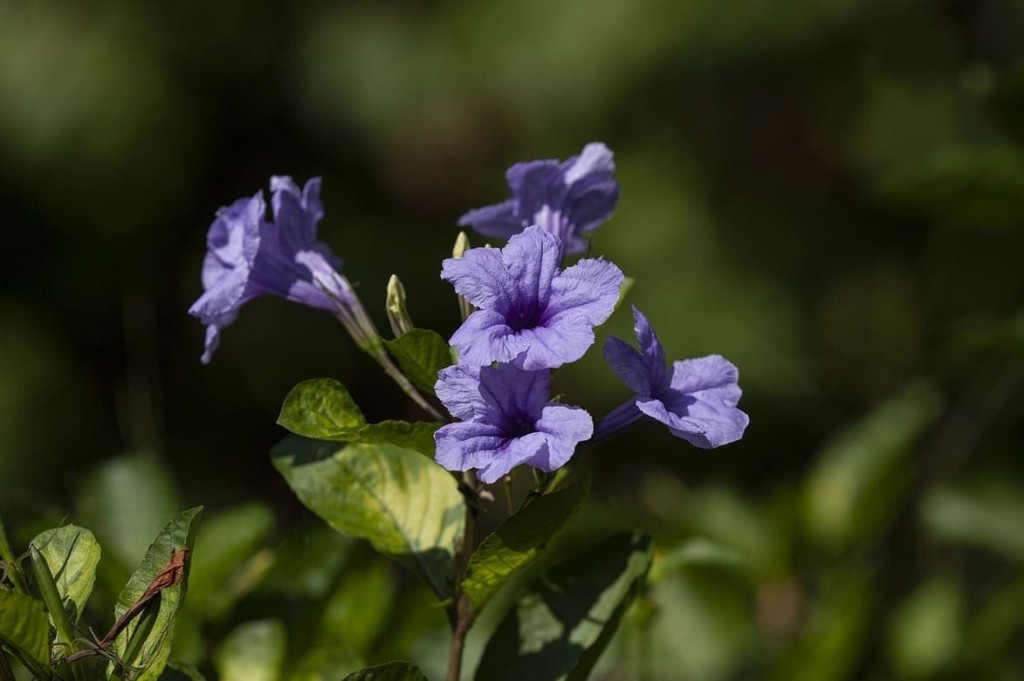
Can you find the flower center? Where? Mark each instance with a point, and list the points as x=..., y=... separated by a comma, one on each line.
x=525, y=317
x=520, y=425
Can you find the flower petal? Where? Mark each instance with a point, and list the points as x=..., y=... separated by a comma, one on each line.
x=497, y=221
x=565, y=427
x=595, y=158
x=536, y=184
x=701, y=405
x=480, y=276
x=559, y=342
x=515, y=452
x=484, y=338
x=710, y=375
x=532, y=259
x=458, y=388
x=468, y=444
x=591, y=202
x=296, y=213
x=651, y=351
x=588, y=289
x=628, y=365
x=518, y=395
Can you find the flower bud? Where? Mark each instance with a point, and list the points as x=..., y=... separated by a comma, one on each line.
x=461, y=246
x=398, y=314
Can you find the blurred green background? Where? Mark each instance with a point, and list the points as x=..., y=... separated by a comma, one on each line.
x=828, y=192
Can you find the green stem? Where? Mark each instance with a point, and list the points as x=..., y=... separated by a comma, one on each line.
x=461, y=612
x=380, y=354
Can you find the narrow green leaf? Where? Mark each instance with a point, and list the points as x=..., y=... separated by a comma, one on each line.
x=404, y=504
x=72, y=554
x=322, y=409
x=47, y=588
x=518, y=541
x=178, y=534
x=421, y=354
x=25, y=626
x=391, y=671
x=253, y=651
x=562, y=622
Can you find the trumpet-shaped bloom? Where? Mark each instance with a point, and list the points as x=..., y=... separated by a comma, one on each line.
x=249, y=255
x=505, y=421
x=697, y=399
x=529, y=311
x=568, y=199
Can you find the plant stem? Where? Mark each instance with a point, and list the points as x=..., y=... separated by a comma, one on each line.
x=461, y=614
x=382, y=357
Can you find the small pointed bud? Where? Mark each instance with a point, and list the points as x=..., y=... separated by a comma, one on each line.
x=398, y=313
x=461, y=246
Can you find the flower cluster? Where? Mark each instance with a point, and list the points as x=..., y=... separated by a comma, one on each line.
x=532, y=316
x=529, y=315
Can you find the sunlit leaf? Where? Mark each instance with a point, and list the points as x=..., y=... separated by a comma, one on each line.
x=403, y=503
x=926, y=630
x=25, y=626
x=561, y=623
x=253, y=651
x=72, y=554
x=322, y=409
x=125, y=502
x=177, y=535
x=518, y=541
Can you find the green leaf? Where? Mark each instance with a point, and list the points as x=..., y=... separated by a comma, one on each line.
x=418, y=436
x=322, y=409
x=391, y=671
x=421, y=354
x=156, y=648
x=72, y=554
x=176, y=670
x=518, y=541
x=360, y=608
x=25, y=626
x=926, y=630
x=404, y=504
x=253, y=651
x=224, y=545
x=562, y=622
x=857, y=480
x=126, y=501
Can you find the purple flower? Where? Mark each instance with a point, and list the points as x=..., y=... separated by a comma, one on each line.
x=696, y=400
x=568, y=199
x=249, y=256
x=529, y=311
x=505, y=421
